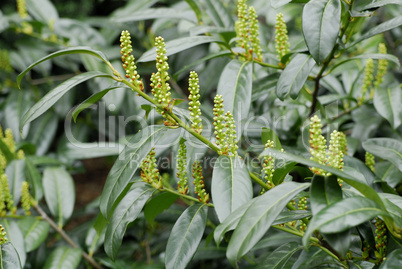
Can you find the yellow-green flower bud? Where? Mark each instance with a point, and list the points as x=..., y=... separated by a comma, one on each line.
x=231, y=137
x=9, y=140
x=281, y=37
x=150, y=172
x=219, y=123
x=343, y=143
x=22, y=9
x=370, y=161
x=254, y=33
x=182, y=185
x=26, y=198
x=318, y=144
x=194, y=103
x=381, y=69
x=368, y=79
x=335, y=153
x=3, y=238
x=129, y=60
x=241, y=25
x=268, y=166
x=198, y=182
x=380, y=239
x=5, y=61
x=8, y=198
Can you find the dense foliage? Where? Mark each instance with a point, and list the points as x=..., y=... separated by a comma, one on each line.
x=265, y=134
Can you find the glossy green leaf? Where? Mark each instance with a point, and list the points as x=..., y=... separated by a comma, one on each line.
x=269, y=134
x=219, y=14
x=393, y=260
x=387, y=172
x=125, y=212
x=16, y=238
x=158, y=13
x=17, y=104
x=282, y=257
x=386, y=148
x=59, y=193
x=380, y=3
x=64, y=257
x=194, y=6
x=15, y=172
x=388, y=57
x=42, y=132
x=35, y=231
x=186, y=236
x=157, y=205
x=383, y=27
x=235, y=86
x=73, y=50
x=281, y=172
x=82, y=151
x=54, y=95
x=294, y=76
x=42, y=10
x=387, y=102
x=231, y=185
x=343, y=215
x=179, y=44
x=321, y=23
x=259, y=216
x=34, y=179
x=316, y=258
x=9, y=258
x=90, y=101
x=323, y=192
x=127, y=164
x=278, y=3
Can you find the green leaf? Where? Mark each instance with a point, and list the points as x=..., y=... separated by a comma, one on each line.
x=383, y=27
x=186, y=236
x=316, y=258
x=158, y=13
x=380, y=3
x=16, y=238
x=34, y=179
x=42, y=132
x=393, y=260
x=235, y=86
x=281, y=172
x=219, y=14
x=388, y=57
x=194, y=6
x=17, y=104
x=59, y=193
x=64, y=257
x=321, y=23
x=15, y=172
x=179, y=44
x=74, y=50
x=90, y=101
x=343, y=215
x=54, y=95
x=258, y=218
x=80, y=151
x=385, y=148
x=157, y=205
x=323, y=192
x=288, y=216
x=126, y=212
x=388, y=173
x=231, y=185
x=282, y=257
x=42, y=10
x=387, y=102
x=9, y=258
x=294, y=76
x=127, y=164
x=269, y=134
x=35, y=232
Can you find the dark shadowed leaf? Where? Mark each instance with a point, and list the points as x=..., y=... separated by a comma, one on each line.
x=323, y=192
x=157, y=205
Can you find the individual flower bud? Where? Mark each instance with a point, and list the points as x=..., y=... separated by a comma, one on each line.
x=8, y=198
x=219, y=123
x=231, y=137
x=369, y=160
x=268, y=166
x=281, y=37
x=26, y=198
x=3, y=238
x=254, y=33
x=198, y=182
x=381, y=69
x=129, y=60
x=194, y=103
x=318, y=144
x=182, y=185
x=368, y=79
x=150, y=173
x=22, y=9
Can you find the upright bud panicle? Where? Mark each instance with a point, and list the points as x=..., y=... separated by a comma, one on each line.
x=26, y=198
x=268, y=166
x=281, y=38
x=129, y=60
x=318, y=144
x=22, y=9
x=160, y=86
x=6, y=194
x=150, y=172
x=370, y=161
x=368, y=79
x=199, y=183
x=5, y=64
x=194, y=103
x=182, y=185
x=380, y=239
x=254, y=35
x=381, y=69
x=335, y=153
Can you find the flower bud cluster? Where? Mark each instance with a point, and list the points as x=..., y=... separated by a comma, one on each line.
x=380, y=239
x=22, y=9
x=302, y=205
x=5, y=61
x=247, y=31
x=194, y=103
x=268, y=166
x=343, y=143
x=6, y=199
x=370, y=161
x=8, y=139
x=199, y=183
x=182, y=185
x=381, y=69
x=26, y=198
x=3, y=238
x=225, y=129
x=129, y=60
x=318, y=144
x=335, y=157
x=150, y=173
x=281, y=38
x=368, y=79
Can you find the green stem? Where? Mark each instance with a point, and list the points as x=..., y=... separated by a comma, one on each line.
x=295, y=232
x=327, y=251
x=188, y=197
x=20, y=217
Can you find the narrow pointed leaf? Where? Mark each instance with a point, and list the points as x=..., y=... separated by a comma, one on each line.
x=321, y=23
x=64, y=257
x=15, y=172
x=343, y=215
x=259, y=217
x=387, y=102
x=294, y=76
x=126, y=212
x=34, y=179
x=9, y=258
x=231, y=185
x=385, y=148
x=194, y=6
x=54, y=95
x=157, y=205
x=180, y=44
x=158, y=13
x=282, y=257
x=235, y=86
x=219, y=14
x=35, y=232
x=74, y=50
x=186, y=236
x=59, y=193
x=323, y=192
x=127, y=164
